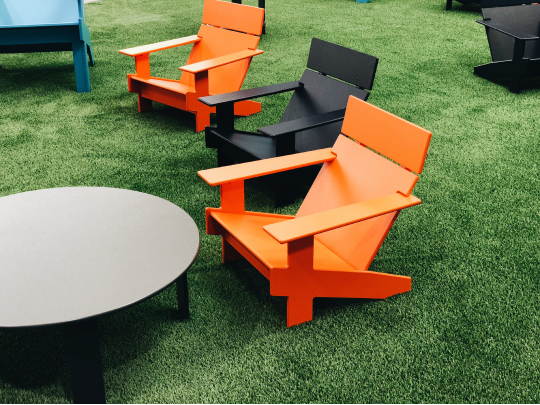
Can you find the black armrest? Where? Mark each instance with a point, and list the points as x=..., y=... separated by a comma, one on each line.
x=301, y=124
x=241, y=95
x=513, y=33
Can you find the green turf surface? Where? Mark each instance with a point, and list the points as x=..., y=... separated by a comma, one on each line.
x=468, y=331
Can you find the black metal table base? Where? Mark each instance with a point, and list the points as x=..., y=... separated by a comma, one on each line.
x=84, y=360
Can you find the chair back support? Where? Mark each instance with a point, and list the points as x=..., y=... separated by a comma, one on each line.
x=320, y=94
x=522, y=18
x=20, y=13
x=342, y=63
x=236, y=17
x=391, y=136
x=359, y=174
x=219, y=42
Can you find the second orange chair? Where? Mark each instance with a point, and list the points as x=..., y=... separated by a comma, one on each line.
x=218, y=63
x=327, y=248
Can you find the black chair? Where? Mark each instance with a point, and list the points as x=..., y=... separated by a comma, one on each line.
x=512, y=29
x=261, y=4
x=449, y=3
x=312, y=119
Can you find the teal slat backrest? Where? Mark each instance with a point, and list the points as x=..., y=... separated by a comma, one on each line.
x=21, y=13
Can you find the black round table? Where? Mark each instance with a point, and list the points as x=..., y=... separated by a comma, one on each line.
x=70, y=255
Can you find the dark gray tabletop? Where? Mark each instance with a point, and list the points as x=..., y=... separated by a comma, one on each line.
x=72, y=253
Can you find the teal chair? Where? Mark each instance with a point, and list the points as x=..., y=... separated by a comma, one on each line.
x=48, y=26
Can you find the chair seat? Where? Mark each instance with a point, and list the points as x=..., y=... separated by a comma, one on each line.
x=248, y=230
x=173, y=85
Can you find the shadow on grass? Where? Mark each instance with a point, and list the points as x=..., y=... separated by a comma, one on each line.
x=41, y=79
x=527, y=84
x=36, y=357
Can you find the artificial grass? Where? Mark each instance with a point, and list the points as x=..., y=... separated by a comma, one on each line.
x=468, y=331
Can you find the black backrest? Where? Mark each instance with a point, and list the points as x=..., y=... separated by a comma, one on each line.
x=522, y=18
x=322, y=93
x=342, y=63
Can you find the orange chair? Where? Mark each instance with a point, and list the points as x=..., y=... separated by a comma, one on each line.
x=326, y=249
x=218, y=63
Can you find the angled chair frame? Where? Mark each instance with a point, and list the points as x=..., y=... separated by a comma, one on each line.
x=48, y=26
x=327, y=248
x=218, y=62
x=311, y=120
x=513, y=32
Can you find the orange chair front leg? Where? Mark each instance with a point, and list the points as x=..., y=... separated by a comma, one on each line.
x=300, y=299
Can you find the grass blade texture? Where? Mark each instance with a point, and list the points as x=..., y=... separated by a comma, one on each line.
x=468, y=331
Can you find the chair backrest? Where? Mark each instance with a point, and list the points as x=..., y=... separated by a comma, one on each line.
x=23, y=13
x=515, y=15
x=227, y=28
x=232, y=16
x=359, y=174
x=334, y=73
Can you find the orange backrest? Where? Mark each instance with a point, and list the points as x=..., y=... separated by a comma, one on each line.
x=236, y=17
x=386, y=133
x=359, y=174
x=219, y=42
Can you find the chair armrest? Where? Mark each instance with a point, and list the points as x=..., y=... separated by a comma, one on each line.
x=309, y=225
x=242, y=95
x=249, y=170
x=145, y=49
x=301, y=124
x=220, y=61
x=513, y=33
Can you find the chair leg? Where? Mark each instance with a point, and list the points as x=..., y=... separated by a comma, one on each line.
x=223, y=160
x=228, y=252
x=82, y=75
x=448, y=5
x=519, y=64
x=202, y=120
x=299, y=283
x=145, y=104
x=299, y=310
x=91, y=54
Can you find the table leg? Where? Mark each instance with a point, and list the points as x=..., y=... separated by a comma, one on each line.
x=84, y=359
x=182, y=295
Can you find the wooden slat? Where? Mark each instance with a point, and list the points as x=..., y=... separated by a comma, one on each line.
x=249, y=170
x=141, y=50
x=313, y=224
x=220, y=61
x=342, y=63
x=387, y=134
x=237, y=17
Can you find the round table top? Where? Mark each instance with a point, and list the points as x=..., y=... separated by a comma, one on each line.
x=72, y=253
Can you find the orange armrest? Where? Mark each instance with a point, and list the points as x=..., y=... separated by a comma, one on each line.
x=220, y=61
x=249, y=170
x=144, y=49
x=308, y=225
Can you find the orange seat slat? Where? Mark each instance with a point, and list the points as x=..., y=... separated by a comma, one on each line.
x=248, y=230
x=172, y=85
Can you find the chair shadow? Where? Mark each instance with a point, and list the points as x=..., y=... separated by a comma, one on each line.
x=39, y=78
